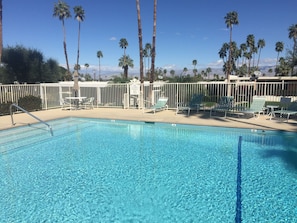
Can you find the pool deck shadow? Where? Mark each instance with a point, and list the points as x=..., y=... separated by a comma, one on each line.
x=168, y=116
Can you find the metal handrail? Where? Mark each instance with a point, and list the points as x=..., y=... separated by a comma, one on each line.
x=20, y=108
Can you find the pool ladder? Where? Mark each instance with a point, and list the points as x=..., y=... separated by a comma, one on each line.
x=20, y=108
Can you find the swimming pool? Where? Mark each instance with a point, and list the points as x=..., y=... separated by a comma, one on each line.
x=95, y=170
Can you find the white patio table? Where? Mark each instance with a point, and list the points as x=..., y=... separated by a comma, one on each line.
x=75, y=101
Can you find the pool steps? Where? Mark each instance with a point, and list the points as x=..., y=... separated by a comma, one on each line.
x=28, y=135
x=28, y=113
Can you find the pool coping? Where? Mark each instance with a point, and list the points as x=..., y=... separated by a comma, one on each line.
x=167, y=116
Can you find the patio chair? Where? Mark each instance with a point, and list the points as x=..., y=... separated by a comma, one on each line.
x=256, y=108
x=160, y=105
x=88, y=103
x=291, y=110
x=284, y=103
x=65, y=104
x=194, y=104
x=225, y=105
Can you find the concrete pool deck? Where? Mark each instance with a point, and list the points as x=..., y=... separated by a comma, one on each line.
x=169, y=116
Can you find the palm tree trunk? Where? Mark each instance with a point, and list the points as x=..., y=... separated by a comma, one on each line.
x=154, y=43
x=140, y=41
x=65, y=48
x=1, y=39
x=125, y=71
x=78, y=43
x=259, y=58
x=229, y=64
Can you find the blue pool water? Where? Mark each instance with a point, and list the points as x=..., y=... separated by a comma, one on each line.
x=95, y=170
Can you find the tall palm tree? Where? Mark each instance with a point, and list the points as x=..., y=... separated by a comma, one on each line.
x=261, y=45
x=123, y=44
x=61, y=10
x=80, y=16
x=154, y=43
x=140, y=41
x=194, y=63
x=230, y=19
x=243, y=48
x=250, y=42
x=125, y=62
x=1, y=38
x=293, y=35
x=279, y=47
x=99, y=55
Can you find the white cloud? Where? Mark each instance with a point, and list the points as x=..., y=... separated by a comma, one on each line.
x=217, y=64
x=169, y=67
x=267, y=62
x=113, y=38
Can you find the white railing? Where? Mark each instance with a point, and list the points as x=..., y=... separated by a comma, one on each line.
x=123, y=96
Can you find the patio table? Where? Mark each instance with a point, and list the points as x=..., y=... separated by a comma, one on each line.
x=75, y=101
x=271, y=109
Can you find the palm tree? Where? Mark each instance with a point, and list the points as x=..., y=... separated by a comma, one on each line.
x=243, y=48
x=1, y=38
x=208, y=71
x=80, y=16
x=230, y=19
x=194, y=63
x=61, y=10
x=125, y=62
x=250, y=42
x=87, y=66
x=123, y=44
x=293, y=35
x=223, y=51
x=185, y=70
x=140, y=40
x=99, y=55
x=261, y=45
x=154, y=43
x=279, y=47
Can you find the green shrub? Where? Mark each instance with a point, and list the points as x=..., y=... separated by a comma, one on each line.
x=4, y=108
x=30, y=103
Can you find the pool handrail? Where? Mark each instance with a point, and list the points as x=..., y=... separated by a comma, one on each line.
x=20, y=108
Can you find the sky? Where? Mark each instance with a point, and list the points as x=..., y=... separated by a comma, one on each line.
x=187, y=30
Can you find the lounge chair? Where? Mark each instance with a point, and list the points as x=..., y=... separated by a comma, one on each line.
x=291, y=110
x=225, y=105
x=284, y=103
x=88, y=103
x=160, y=105
x=256, y=107
x=194, y=104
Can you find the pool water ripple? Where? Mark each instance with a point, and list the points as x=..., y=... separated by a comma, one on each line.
x=121, y=171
